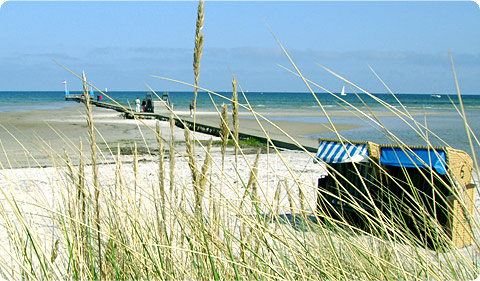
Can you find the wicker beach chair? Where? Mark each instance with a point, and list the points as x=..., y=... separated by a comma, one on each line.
x=364, y=178
x=449, y=170
x=350, y=189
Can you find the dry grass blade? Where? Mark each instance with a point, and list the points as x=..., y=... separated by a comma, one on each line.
x=161, y=164
x=119, y=181
x=135, y=173
x=464, y=115
x=171, y=153
x=204, y=174
x=161, y=183
x=96, y=186
x=252, y=179
x=224, y=130
x=235, y=117
x=191, y=157
x=290, y=199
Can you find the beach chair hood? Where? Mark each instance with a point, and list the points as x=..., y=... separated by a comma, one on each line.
x=414, y=158
x=338, y=152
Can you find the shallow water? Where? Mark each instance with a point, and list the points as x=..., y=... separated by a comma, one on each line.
x=441, y=117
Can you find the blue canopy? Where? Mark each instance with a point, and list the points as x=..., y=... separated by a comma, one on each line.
x=336, y=152
x=413, y=158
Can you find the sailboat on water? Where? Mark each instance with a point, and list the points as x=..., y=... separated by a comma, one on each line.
x=343, y=91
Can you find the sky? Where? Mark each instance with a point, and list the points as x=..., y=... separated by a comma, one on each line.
x=120, y=45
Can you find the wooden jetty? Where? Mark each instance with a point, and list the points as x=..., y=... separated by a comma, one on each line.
x=210, y=129
x=73, y=97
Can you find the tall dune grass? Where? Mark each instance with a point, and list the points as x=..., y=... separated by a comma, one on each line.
x=224, y=216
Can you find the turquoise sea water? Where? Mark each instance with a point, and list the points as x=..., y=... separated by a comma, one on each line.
x=445, y=121
x=259, y=100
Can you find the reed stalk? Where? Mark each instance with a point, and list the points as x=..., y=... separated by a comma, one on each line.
x=70, y=169
x=161, y=163
x=301, y=200
x=235, y=118
x=171, y=153
x=290, y=199
x=119, y=182
x=173, y=198
x=96, y=186
x=191, y=159
x=204, y=173
x=252, y=180
x=161, y=175
x=197, y=54
x=224, y=136
x=82, y=225
x=224, y=132
x=74, y=213
x=276, y=198
x=276, y=204
x=135, y=173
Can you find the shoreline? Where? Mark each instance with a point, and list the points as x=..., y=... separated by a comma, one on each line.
x=32, y=138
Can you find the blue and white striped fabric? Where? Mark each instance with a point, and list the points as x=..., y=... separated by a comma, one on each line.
x=336, y=152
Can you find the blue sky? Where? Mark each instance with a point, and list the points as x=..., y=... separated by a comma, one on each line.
x=119, y=44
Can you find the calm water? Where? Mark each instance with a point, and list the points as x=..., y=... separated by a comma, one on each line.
x=181, y=100
x=446, y=122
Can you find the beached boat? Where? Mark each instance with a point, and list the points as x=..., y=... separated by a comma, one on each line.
x=364, y=177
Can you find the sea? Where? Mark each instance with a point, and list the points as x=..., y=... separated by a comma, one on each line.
x=442, y=118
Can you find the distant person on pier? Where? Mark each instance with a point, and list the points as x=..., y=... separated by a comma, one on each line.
x=144, y=104
x=192, y=107
x=137, y=105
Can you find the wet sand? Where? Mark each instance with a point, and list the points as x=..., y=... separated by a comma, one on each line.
x=34, y=138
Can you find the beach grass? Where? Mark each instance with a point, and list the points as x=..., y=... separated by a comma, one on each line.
x=226, y=214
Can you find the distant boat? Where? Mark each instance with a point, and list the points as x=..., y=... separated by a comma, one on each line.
x=436, y=96
x=343, y=91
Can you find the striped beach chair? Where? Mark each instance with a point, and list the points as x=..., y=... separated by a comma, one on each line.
x=350, y=176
